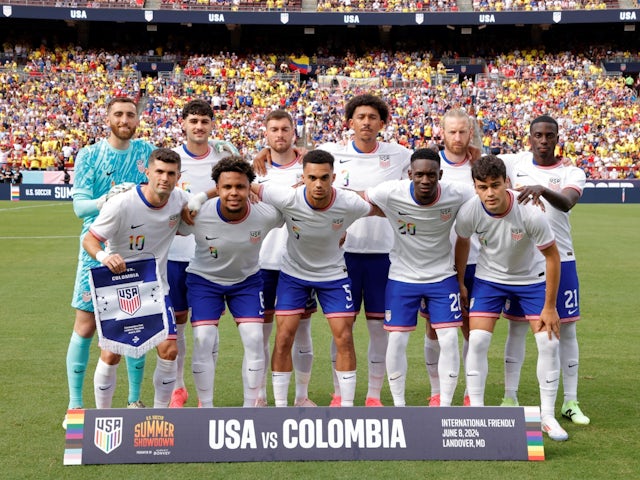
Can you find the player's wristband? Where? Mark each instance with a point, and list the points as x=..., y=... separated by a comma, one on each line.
x=101, y=255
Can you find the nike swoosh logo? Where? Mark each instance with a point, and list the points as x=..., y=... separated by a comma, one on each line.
x=393, y=379
x=110, y=173
x=345, y=161
x=552, y=381
x=260, y=312
x=139, y=367
x=472, y=374
x=210, y=238
x=78, y=371
x=349, y=305
x=104, y=388
x=304, y=352
x=403, y=213
x=453, y=375
x=255, y=369
x=296, y=219
x=348, y=377
x=571, y=365
x=571, y=312
x=264, y=180
x=521, y=174
x=167, y=383
x=196, y=373
x=457, y=316
x=136, y=226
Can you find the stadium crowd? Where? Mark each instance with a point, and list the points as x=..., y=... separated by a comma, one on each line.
x=53, y=105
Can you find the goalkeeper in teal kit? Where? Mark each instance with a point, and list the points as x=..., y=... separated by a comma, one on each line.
x=103, y=169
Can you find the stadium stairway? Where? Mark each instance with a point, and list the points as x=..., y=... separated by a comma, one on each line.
x=309, y=5
x=465, y=5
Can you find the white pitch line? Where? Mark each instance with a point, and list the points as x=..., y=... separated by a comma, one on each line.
x=39, y=238
x=57, y=204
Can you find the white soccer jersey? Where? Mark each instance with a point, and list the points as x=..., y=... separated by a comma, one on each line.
x=313, y=251
x=132, y=227
x=522, y=170
x=359, y=171
x=195, y=178
x=459, y=172
x=275, y=245
x=422, y=251
x=227, y=251
x=508, y=242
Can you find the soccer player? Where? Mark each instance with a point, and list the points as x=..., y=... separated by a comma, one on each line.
x=362, y=163
x=509, y=267
x=99, y=167
x=539, y=176
x=284, y=168
x=422, y=211
x=316, y=217
x=458, y=135
x=199, y=154
x=141, y=221
x=229, y=232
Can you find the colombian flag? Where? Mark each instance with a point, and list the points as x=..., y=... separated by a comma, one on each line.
x=301, y=64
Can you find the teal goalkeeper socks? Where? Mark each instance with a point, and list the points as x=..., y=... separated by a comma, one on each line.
x=135, y=370
x=77, y=360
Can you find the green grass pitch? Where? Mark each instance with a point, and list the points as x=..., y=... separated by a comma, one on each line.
x=38, y=249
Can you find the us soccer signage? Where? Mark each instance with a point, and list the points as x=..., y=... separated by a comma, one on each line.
x=295, y=434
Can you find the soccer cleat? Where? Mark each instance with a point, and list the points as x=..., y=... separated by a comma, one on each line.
x=467, y=401
x=136, y=404
x=434, y=400
x=261, y=402
x=305, y=402
x=336, y=400
x=509, y=402
x=179, y=398
x=572, y=411
x=373, y=402
x=552, y=428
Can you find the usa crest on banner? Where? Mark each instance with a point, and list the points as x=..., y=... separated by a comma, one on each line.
x=130, y=311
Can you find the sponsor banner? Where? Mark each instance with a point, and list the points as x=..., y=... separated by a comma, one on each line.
x=44, y=192
x=322, y=18
x=302, y=434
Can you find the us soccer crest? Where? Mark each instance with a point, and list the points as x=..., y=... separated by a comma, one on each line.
x=419, y=18
x=148, y=15
x=554, y=184
x=108, y=433
x=129, y=299
x=255, y=236
x=557, y=17
x=284, y=18
x=173, y=220
x=141, y=167
x=385, y=161
x=7, y=10
x=337, y=223
x=517, y=234
x=445, y=214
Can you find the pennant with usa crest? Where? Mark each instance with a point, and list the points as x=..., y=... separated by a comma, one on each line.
x=130, y=311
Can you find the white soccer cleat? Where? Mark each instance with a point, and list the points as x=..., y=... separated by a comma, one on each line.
x=552, y=428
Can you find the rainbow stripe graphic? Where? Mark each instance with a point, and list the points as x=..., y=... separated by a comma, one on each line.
x=15, y=193
x=535, y=448
x=73, y=440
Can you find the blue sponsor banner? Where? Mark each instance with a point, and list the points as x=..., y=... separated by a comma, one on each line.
x=169, y=435
x=322, y=18
x=37, y=192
